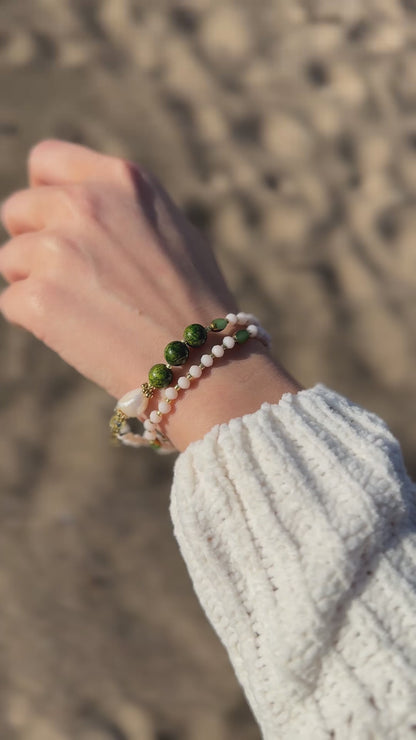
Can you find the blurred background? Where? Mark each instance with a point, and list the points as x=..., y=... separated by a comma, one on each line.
x=287, y=131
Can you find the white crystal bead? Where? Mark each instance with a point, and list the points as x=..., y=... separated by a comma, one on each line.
x=164, y=407
x=228, y=342
x=253, y=330
x=207, y=360
x=195, y=371
x=149, y=425
x=154, y=417
x=149, y=435
x=243, y=318
x=171, y=393
x=133, y=403
x=231, y=318
x=218, y=350
x=184, y=382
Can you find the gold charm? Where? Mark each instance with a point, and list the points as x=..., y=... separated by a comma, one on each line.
x=116, y=422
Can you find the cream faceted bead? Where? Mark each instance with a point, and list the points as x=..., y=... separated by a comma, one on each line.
x=207, y=360
x=154, y=417
x=164, y=407
x=253, y=330
x=228, y=342
x=133, y=403
x=171, y=393
x=149, y=425
x=218, y=350
x=149, y=435
x=195, y=371
x=184, y=382
x=231, y=318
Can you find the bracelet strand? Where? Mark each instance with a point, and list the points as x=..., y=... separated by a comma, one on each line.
x=134, y=403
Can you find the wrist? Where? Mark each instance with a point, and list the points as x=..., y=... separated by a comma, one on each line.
x=238, y=384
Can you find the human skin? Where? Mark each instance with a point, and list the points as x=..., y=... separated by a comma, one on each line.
x=106, y=270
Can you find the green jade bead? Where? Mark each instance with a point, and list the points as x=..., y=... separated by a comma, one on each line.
x=218, y=324
x=195, y=335
x=241, y=336
x=176, y=353
x=160, y=376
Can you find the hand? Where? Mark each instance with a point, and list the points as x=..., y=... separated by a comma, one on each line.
x=103, y=267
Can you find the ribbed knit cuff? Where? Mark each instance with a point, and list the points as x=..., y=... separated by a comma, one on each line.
x=297, y=525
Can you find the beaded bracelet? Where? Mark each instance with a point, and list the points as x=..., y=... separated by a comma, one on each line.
x=134, y=403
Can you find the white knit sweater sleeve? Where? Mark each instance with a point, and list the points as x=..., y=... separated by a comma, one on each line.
x=298, y=526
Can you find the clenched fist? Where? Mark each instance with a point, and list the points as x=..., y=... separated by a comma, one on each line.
x=106, y=270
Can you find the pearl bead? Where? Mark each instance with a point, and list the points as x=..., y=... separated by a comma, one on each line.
x=164, y=407
x=252, y=330
x=154, y=417
x=149, y=435
x=171, y=393
x=133, y=403
x=149, y=425
x=231, y=318
x=183, y=382
x=228, y=342
x=195, y=371
x=207, y=360
x=218, y=350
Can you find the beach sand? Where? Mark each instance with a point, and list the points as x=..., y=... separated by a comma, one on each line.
x=287, y=131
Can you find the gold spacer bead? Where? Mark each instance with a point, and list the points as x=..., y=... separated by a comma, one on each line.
x=147, y=389
x=189, y=376
x=202, y=366
x=177, y=387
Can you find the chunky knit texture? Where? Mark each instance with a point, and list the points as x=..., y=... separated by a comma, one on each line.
x=298, y=526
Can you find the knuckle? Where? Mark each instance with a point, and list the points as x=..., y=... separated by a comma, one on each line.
x=38, y=307
x=27, y=303
x=124, y=171
x=63, y=254
x=81, y=200
x=9, y=204
x=41, y=149
x=37, y=300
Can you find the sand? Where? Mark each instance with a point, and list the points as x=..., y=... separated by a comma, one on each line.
x=287, y=130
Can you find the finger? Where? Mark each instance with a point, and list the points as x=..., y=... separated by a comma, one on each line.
x=28, y=210
x=54, y=162
x=17, y=257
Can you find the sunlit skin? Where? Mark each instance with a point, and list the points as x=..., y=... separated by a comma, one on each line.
x=105, y=270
